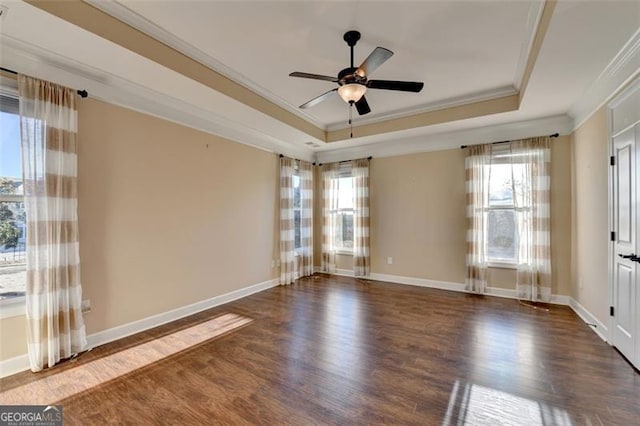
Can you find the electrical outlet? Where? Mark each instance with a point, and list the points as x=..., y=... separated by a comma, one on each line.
x=273, y=263
x=389, y=260
x=85, y=306
x=581, y=283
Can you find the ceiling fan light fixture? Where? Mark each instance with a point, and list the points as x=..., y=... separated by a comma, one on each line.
x=352, y=92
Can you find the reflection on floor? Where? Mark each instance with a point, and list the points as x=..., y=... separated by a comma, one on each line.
x=86, y=376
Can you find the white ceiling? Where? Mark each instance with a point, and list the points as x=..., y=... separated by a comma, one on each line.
x=463, y=51
x=458, y=49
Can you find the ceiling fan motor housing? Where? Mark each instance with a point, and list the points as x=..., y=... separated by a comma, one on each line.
x=349, y=76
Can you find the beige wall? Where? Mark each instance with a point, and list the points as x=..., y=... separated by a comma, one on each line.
x=13, y=337
x=590, y=215
x=418, y=218
x=418, y=215
x=168, y=216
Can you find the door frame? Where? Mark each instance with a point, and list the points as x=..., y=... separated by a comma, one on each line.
x=626, y=93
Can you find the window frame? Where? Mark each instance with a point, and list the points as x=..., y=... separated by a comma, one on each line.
x=503, y=156
x=296, y=176
x=13, y=306
x=343, y=250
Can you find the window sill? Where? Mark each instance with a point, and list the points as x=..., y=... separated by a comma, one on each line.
x=502, y=265
x=345, y=252
x=13, y=307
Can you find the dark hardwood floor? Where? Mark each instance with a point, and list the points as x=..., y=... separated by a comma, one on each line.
x=336, y=350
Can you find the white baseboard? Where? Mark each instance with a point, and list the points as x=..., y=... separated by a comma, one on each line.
x=509, y=293
x=134, y=327
x=420, y=282
x=600, y=329
x=21, y=363
x=344, y=272
x=445, y=285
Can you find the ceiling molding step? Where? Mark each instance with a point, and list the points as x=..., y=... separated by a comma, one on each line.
x=541, y=32
x=110, y=88
x=452, y=140
x=110, y=28
x=135, y=20
x=619, y=73
x=531, y=27
x=461, y=112
x=435, y=106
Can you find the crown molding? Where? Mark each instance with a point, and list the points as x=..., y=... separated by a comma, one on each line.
x=531, y=28
x=390, y=147
x=135, y=20
x=621, y=71
x=33, y=60
x=541, y=28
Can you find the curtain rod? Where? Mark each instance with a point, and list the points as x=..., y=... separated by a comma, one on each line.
x=82, y=93
x=348, y=161
x=555, y=135
x=297, y=159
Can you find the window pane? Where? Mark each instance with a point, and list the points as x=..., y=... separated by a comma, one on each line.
x=347, y=230
x=502, y=235
x=345, y=193
x=343, y=236
x=12, y=214
x=296, y=191
x=296, y=229
x=500, y=188
x=10, y=159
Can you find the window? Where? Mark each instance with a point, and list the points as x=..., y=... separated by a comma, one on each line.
x=503, y=238
x=12, y=211
x=502, y=232
x=297, y=211
x=343, y=215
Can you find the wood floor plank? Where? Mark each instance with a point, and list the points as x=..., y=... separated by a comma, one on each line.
x=338, y=350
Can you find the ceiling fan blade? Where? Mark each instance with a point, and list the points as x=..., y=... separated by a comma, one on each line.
x=376, y=58
x=318, y=99
x=403, y=86
x=363, y=106
x=313, y=76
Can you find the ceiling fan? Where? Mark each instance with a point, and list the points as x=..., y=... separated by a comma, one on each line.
x=354, y=82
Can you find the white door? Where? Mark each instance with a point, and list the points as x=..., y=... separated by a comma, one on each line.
x=625, y=251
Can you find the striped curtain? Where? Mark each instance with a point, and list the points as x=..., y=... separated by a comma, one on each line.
x=305, y=252
x=477, y=168
x=532, y=202
x=330, y=175
x=360, y=174
x=287, y=231
x=48, y=128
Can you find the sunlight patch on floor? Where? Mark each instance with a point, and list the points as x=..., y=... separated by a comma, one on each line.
x=480, y=405
x=57, y=387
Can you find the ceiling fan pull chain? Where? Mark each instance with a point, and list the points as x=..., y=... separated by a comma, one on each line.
x=350, y=120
